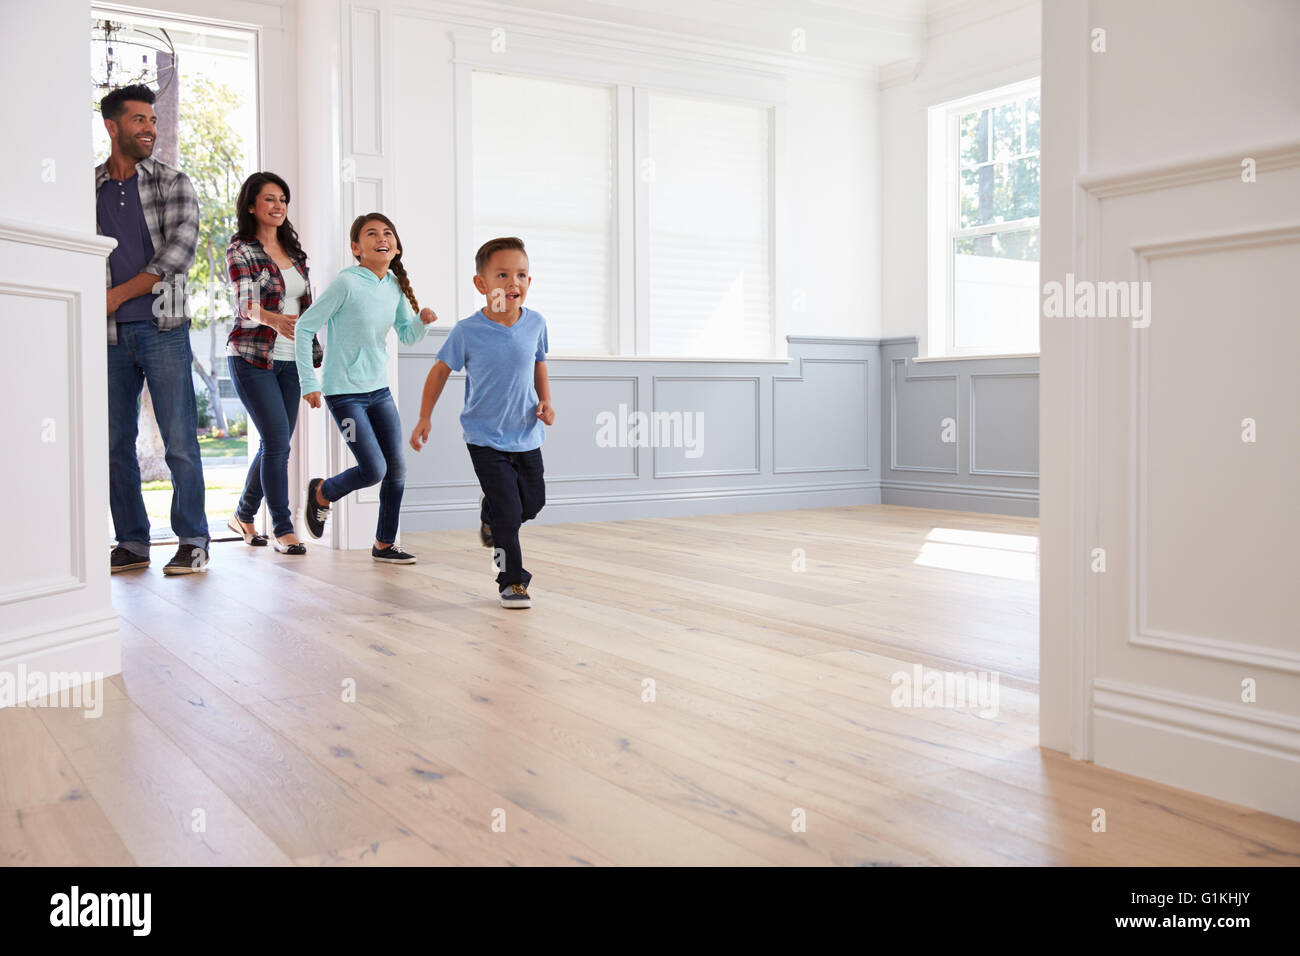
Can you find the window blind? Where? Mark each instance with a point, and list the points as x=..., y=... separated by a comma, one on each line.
x=709, y=259
x=543, y=162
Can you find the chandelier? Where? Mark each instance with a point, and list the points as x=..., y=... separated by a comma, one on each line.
x=122, y=54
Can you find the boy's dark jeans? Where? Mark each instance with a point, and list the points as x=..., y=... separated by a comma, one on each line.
x=514, y=491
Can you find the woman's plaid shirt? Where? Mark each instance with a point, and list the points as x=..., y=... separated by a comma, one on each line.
x=257, y=282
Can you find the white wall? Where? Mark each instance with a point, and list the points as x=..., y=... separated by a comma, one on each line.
x=972, y=57
x=37, y=138
x=828, y=172
x=833, y=187
x=55, y=613
x=1143, y=665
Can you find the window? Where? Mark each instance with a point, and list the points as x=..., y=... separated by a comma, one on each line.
x=668, y=194
x=710, y=279
x=984, y=224
x=544, y=171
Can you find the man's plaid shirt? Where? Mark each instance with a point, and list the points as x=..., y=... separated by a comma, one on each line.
x=171, y=211
x=258, y=282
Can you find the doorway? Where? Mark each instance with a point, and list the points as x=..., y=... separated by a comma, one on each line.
x=205, y=77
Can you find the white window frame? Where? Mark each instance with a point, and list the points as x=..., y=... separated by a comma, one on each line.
x=632, y=81
x=944, y=210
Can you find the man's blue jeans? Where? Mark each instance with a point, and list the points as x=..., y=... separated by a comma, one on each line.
x=163, y=359
x=271, y=396
x=373, y=431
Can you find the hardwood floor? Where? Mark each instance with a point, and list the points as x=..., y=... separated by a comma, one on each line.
x=478, y=735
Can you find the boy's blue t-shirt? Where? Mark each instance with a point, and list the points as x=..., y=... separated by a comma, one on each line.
x=500, y=398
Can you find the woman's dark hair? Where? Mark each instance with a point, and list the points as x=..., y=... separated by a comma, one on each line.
x=246, y=223
x=399, y=270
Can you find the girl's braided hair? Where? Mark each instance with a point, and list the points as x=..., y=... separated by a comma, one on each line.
x=399, y=270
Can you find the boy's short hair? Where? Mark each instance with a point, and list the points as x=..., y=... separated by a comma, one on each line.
x=493, y=246
x=113, y=105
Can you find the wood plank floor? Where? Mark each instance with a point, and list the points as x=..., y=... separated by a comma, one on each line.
x=477, y=735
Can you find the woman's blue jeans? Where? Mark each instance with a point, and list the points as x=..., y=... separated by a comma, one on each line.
x=271, y=397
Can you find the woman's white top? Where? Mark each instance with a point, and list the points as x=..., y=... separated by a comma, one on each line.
x=294, y=287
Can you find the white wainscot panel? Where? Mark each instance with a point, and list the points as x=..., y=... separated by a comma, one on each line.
x=587, y=442
x=920, y=407
x=820, y=420
x=1220, y=349
x=41, y=362
x=1004, y=424
x=716, y=416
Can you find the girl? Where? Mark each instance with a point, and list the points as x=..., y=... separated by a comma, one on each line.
x=268, y=268
x=359, y=307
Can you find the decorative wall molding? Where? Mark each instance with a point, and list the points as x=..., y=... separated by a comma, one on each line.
x=1231, y=724
x=365, y=33
x=755, y=491
x=757, y=415
x=893, y=419
x=58, y=635
x=1190, y=170
x=635, y=473
x=607, y=492
x=974, y=427
x=869, y=413
x=963, y=482
x=1141, y=633
x=1240, y=753
x=73, y=440
x=945, y=17
x=367, y=194
x=976, y=491
x=67, y=240
x=626, y=42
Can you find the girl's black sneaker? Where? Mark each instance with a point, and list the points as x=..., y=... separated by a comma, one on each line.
x=312, y=511
x=391, y=555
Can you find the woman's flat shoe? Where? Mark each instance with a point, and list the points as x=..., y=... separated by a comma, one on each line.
x=255, y=540
x=298, y=548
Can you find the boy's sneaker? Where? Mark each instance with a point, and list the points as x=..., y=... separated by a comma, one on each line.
x=391, y=555
x=188, y=559
x=484, y=530
x=312, y=511
x=123, y=559
x=515, y=595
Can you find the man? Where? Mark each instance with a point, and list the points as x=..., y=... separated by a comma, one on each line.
x=152, y=212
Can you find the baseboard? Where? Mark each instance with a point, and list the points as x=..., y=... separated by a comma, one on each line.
x=1230, y=752
x=87, y=644
x=561, y=509
x=954, y=497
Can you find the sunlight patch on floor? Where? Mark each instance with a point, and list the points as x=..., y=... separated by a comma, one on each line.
x=1013, y=556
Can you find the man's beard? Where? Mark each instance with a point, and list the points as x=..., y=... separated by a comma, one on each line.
x=134, y=148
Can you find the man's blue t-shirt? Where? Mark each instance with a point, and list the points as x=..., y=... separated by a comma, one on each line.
x=122, y=217
x=499, y=362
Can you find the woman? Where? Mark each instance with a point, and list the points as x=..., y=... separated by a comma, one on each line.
x=359, y=307
x=269, y=271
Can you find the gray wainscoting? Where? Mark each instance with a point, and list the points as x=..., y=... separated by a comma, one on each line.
x=960, y=433
x=844, y=421
x=797, y=433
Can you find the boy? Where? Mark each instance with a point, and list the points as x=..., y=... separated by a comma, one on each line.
x=502, y=348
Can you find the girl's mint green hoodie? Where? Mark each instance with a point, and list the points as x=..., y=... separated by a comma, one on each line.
x=357, y=310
